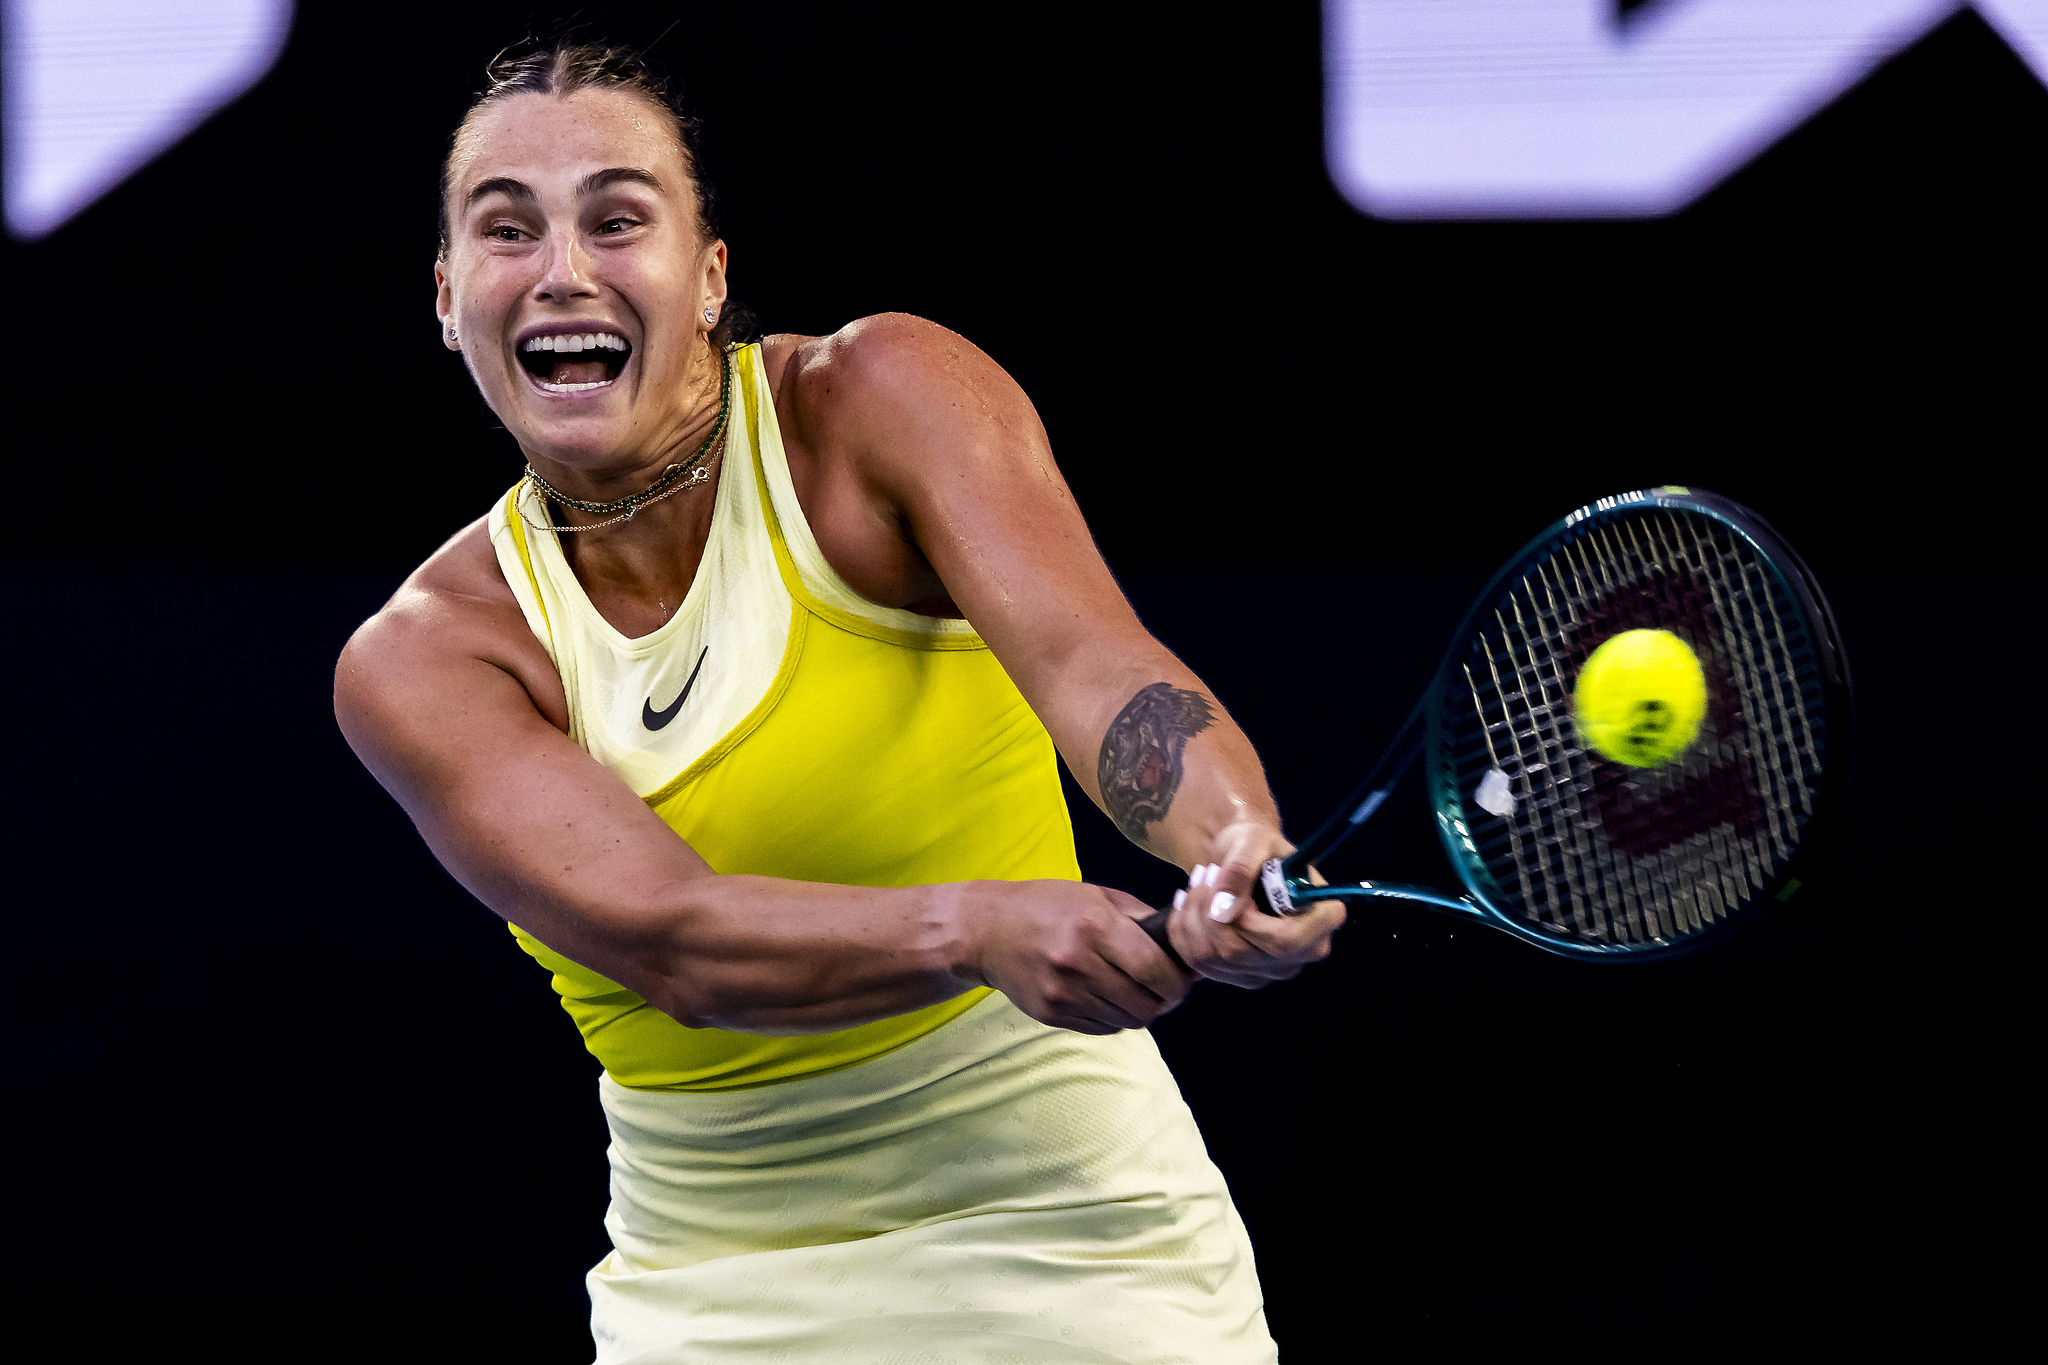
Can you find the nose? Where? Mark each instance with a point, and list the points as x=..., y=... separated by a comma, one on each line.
x=566, y=275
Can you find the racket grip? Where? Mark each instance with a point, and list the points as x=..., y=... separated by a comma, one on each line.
x=1270, y=879
x=1154, y=924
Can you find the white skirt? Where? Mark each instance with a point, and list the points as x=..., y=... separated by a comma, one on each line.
x=998, y=1191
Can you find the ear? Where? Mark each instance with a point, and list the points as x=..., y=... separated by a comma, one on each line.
x=444, y=308
x=714, y=287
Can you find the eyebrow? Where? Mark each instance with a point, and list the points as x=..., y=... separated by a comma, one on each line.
x=505, y=185
x=592, y=183
x=617, y=175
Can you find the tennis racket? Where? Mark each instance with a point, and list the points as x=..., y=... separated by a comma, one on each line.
x=1557, y=840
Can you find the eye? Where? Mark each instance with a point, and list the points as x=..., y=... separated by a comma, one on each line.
x=615, y=225
x=504, y=232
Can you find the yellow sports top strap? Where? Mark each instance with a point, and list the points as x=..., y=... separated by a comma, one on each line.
x=516, y=524
x=752, y=392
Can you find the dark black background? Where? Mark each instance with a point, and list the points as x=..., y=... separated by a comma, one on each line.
x=281, y=1090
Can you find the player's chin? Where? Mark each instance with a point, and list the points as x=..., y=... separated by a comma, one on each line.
x=575, y=435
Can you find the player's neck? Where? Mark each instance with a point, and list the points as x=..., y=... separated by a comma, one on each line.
x=636, y=573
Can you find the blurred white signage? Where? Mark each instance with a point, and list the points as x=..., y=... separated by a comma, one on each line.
x=95, y=88
x=1569, y=109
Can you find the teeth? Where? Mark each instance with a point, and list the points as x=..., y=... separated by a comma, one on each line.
x=588, y=341
x=574, y=388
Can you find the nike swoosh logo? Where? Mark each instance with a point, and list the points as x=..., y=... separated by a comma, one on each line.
x=654, y=719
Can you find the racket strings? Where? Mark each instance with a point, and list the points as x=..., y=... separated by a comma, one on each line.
x=1615, y=855
x=1604, y=877
x=1577, y=886
x=1601, y=890
x=1573, y=890
x=1780, y=695
x=1647, y=868
x=1773, y=703
x=1708, y=873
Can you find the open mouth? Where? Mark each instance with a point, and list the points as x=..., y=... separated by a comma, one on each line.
x=575, y=362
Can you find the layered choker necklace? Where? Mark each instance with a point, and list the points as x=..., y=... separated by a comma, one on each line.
x=674, y=479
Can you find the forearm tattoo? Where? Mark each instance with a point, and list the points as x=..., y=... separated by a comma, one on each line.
x=1139, y=769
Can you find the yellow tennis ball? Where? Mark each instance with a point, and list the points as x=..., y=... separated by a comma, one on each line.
x=1640, y=698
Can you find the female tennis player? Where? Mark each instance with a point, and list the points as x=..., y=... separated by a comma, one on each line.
x=742, y=708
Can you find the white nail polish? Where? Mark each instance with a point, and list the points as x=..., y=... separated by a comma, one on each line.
x=1219, y=908
x=1180, y=898
x=1212, y=872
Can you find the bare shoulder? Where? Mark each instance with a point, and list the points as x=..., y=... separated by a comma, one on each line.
x=892, y=415
x=895, y=430
x=891, y=376
x=455, y=609
x=457, y=592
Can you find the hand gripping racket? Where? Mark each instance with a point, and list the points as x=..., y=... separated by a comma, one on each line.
x=1594, y=856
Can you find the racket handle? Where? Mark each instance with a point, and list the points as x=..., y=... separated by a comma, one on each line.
x=1155, y=925
x=1270, y=879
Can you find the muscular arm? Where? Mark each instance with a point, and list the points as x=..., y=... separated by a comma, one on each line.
x=897, y=427
x=454, y=707
x=901, y=430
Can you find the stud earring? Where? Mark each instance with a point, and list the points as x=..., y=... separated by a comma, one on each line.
x=710, y=315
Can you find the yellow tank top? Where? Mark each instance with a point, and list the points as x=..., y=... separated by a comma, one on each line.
x=785, y=726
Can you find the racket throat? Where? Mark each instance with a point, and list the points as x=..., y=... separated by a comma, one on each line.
x=1394, y=764
x=1305, y=893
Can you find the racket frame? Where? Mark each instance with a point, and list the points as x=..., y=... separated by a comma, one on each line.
x=1285, y=886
